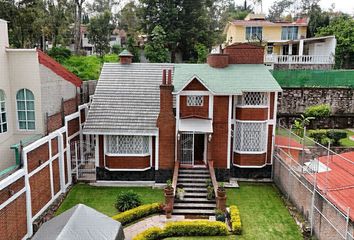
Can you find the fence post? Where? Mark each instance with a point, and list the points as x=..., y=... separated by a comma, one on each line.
x=313, y=203
x=347, y=223
x=76, y=160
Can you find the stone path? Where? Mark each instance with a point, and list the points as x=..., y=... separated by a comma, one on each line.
x=154, y=221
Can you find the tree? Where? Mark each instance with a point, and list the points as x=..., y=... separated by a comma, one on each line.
x=133, y=49
x=77, y=27
x=101, y=6
x=278, y=8
x=99, y=31
x=342, y=27
x=202, y=52
x=156, y=50
x=128, y=19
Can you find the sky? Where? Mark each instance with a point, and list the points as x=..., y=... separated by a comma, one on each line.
x=346, y=6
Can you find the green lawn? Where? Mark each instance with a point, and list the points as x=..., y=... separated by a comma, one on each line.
x=346, y=142
x=263, y=214
x=103, y=198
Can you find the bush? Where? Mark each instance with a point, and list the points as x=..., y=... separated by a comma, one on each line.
x=137, y=213
x=235, y=220
x=153, y=233
x=318, y=134
x=336, y=136
x=318, y=111
x=127, y=200
x=324, y=136
x=184, y=228
x=60, y=54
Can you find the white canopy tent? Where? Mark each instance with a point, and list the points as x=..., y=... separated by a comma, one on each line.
x=80, y=223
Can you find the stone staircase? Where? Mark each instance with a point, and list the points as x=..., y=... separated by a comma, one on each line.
x=195, y=200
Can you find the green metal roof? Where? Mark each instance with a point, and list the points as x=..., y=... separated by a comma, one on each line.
x=125, y=53
x=234, y=79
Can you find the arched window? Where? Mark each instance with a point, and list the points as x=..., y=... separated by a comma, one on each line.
x=3, y=121
x=25, y=109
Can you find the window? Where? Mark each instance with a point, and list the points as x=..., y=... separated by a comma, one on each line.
x=254, y=33
x=250, y=136
x=253, y=99
x=3, y=122
x=128, y=145
x=289, y=33
x=195, y=101
x=25, y=109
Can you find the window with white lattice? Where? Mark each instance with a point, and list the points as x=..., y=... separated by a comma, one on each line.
x=194, y=101
x=252, y=99
x=250, y=136
x=127, y=145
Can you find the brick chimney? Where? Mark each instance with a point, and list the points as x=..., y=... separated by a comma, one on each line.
x=245, y=53
x=125, y=57
x=166, y=123
x=218, y=60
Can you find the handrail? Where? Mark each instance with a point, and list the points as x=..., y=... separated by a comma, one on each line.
x=175, y=177
x=213, y=178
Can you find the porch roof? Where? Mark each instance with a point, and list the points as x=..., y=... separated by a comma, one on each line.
x=195, y=125
x=231, y=80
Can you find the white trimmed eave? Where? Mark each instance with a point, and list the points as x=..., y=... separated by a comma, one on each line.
x=93, y=132
x=189, y=81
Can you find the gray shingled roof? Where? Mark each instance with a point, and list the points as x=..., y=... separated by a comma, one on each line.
x=127, y=99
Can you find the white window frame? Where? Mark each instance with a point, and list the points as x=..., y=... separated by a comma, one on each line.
x=253, y=33
x=239, y=133
x=243, y=101
x=143, y=153
x=195, y=101
x=290, y=33
x=3, y=123
x=25, y=100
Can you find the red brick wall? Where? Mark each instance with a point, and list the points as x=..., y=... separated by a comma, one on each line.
x=269, y=145
x=40, y=190
x=54, y=145
x=252, y=114
x=195, y=85
x=13, y=221
x=218, y=60
x=101, y=151
x=54, y=122
x=217, y=147
x=194, y=111
x=245, y=53
x=56, y=175
x=70, y=106
x=38, y=156
x=15, y=187
x=128, y=162
x=73, y=126
x=83, y=116
x=250, y=159
x=271, y=110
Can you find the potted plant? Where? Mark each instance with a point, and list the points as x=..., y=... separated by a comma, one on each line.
x=180, y=193
x=219, y=215
x=210, y=193
x=221, y=190
x=168, y=189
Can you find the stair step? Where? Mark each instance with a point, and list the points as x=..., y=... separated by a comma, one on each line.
x=195, y=199
x=194, y=211
x=194, y=205
x=195, y=194
x=194, y=171
x=203, y=180
x=193, y=184
x=194, y=189
x=206, y=175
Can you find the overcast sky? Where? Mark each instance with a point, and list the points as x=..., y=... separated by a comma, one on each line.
x=346, y=6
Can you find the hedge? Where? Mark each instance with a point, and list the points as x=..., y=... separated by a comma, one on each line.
x=184, y=228
x=235, y=220
x=137, y=213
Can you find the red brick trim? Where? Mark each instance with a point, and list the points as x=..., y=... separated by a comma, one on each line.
x=127, y=162
x=257, y=114
x=250, y=159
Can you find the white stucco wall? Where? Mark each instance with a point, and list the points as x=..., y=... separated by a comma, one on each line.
x=53, y=89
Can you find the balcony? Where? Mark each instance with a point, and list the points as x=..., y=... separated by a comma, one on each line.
x=298, y=59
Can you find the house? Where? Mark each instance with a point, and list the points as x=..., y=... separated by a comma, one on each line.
x=285, y=43
x=33, y=87
x=146, y=117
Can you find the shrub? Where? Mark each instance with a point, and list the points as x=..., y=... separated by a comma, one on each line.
x=235, y=220
x=324, y=136
x=336, y=135
x=318, y=111
x=127, y=200
x=137, y=213
x=60, y=54
x=195, y=228
x=318, y=134
x=153, y=233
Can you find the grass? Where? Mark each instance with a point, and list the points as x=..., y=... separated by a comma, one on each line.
x=103, y=198
x=263, y=214
x=346, y=142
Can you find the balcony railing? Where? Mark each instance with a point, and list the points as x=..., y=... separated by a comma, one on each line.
x=297, y=59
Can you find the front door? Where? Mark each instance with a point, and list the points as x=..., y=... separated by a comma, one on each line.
x=192, y=148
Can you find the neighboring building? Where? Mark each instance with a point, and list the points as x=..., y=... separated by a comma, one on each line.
x=285, y=42
x=32, y=87
x=147, y=116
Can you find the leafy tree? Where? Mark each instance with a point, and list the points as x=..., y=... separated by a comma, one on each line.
x=99, y=31
x=133, y=49
x=116, y=49
x=59, y=53
x=156, y=50
x=77, y=27
x=300, y=124
x=128, y=19
x=202, y=52
x=278, y=8
x=342, y=27
x=101, y=6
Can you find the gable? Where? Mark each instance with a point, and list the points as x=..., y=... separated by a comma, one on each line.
x=195, y=85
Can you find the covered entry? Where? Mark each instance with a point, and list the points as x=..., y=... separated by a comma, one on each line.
x=192, y=141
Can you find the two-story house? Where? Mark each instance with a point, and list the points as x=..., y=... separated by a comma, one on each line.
x=33, y=86
x=285, y=42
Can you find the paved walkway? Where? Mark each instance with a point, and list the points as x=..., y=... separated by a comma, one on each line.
x=154, y=221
